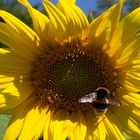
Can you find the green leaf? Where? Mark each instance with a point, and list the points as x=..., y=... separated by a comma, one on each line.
x=4, y=119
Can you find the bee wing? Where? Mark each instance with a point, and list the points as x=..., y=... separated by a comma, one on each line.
x=89, y=98
x=114, y=102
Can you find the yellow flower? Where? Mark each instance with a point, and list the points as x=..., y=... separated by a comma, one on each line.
x=68, y=79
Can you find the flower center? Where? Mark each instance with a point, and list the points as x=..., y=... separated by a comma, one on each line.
x=66, y=73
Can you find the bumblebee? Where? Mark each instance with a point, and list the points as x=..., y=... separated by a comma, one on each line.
x=101, y=99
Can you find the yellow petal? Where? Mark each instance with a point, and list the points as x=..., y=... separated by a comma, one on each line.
x=4, y=51
x=6, y=85
x=94, y=135
x=58, y=125
x=131, y=82
x=91, y=122
x=102, y=28
x=134, y=95
x=70, y=1
x=95, y=127
x=16, y=65
x=7, y=53
x=133, y=74
x=129, y=54
x=135, y=65
x=131, y=100
x=101, y=129
x=14, y=129
x=17, y=121
x=131, y=108
x=10, y=38
x=46, y=133
x=127, y=119
x=65, y=126
x=57, y=25
x=33, y=124
x=126, y=33
x=76, y=20
x=78, y=122
x=100, y=132
x=129, y=112
x=113, y=127
x=14, y=94
x=130, y=86
x=6, y=79
x=40, y=21
x=13, y=33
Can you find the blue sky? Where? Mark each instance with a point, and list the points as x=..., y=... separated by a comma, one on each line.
x=85, y=5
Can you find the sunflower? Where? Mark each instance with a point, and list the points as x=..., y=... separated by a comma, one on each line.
x=68, y=79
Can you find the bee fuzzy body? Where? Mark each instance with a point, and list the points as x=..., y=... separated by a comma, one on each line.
x=101, y=99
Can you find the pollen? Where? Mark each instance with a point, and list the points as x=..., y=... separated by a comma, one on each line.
x=70, y=71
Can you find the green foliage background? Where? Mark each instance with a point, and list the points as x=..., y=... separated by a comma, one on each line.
x=20, y=12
